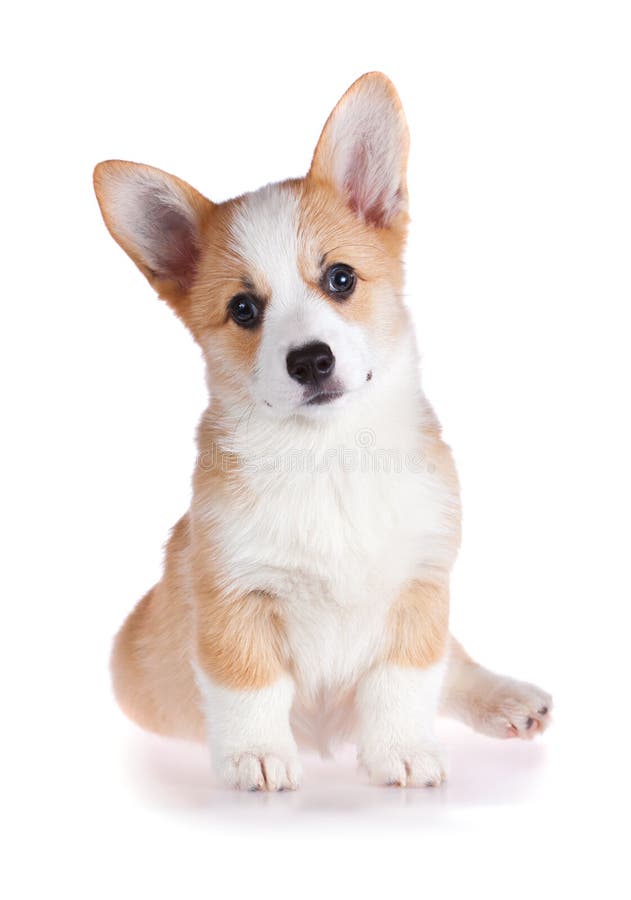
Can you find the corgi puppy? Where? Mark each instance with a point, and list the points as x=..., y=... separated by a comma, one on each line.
x=305, y=594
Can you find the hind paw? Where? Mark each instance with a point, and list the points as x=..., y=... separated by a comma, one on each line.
x=513, y=709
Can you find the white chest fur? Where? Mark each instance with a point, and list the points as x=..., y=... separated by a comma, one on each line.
x=334, y=521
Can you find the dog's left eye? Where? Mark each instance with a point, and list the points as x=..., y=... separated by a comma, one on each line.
x=340, y=279
x=245, y=310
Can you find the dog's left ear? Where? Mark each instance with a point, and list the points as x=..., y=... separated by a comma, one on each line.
x=158, y=220
x=363, y=150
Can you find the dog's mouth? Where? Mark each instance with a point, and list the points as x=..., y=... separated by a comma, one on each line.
x=323, y=397
x=325, y=394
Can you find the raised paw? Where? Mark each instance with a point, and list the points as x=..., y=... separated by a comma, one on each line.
x=261, y=772
x=513, y=709
x=419, y=766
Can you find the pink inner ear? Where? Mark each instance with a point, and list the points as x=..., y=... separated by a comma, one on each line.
x=365, y=198
x=172, y=240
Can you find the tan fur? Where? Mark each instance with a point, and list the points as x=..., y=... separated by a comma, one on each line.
x=192, y=614
x=151, y=658
x=237, y=640
x=329, y=234
x=240, y=640
x=417, y=625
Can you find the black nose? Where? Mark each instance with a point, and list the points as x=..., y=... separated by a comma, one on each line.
x=311, y=364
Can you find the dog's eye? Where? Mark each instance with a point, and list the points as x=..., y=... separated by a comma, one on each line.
x=340, y=280
x=245, y=310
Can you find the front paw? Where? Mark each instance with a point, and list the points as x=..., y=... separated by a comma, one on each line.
x=257, y=771
x=419, y=765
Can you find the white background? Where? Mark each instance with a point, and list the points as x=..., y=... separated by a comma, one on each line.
x=519, y=279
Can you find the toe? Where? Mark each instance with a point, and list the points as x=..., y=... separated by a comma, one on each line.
x=250, y=776
x=388, y=769
x=251, y=771
x=274, y=773
x=281, y=775
x=530, y=720
x=425, y=769
x=420, y=766
x=294, y=774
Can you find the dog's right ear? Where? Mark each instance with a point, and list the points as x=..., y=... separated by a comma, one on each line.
x=157, y=219
x=362, y=152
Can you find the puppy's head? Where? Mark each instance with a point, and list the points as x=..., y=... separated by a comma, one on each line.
x=293, y=291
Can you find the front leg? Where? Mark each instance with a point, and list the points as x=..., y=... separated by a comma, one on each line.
x=246, y=693
x=398, y=699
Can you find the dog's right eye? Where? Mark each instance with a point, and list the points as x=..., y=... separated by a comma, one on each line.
x=245, y=310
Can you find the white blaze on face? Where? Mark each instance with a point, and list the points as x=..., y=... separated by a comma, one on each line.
x=266, y=237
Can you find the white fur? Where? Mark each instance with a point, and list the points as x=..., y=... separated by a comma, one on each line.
x=341, y=509
x=265, y=232
x=251, y=742
x=333, y=525
x=396, y=710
